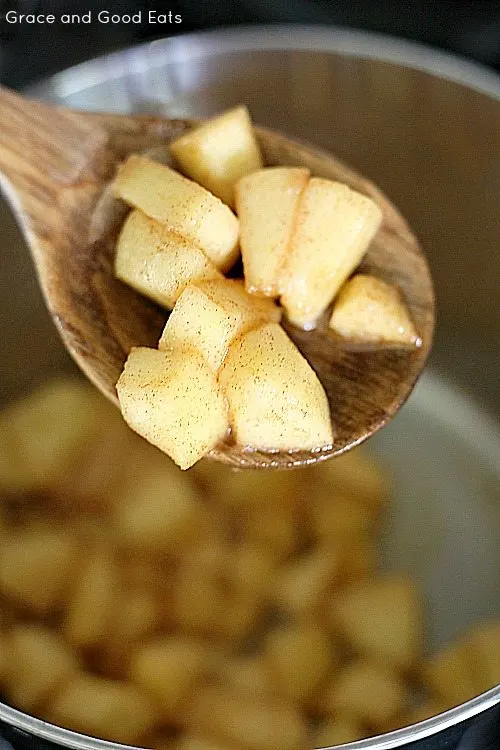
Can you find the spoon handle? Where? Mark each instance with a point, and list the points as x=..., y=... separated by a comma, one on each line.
x=43, y=150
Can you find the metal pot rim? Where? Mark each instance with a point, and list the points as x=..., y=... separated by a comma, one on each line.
x=183, y=48
x=396, y=739
x=294, y=37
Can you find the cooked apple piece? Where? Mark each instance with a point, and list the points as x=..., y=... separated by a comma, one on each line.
x=338, y=731
x=246, y=674
x=300, y=657
x=338, y=519
x=382, y=619
x=92, y=604
x=38, y=566
x=249, y=567
x=250, y=722
x=173, y=400
x=369, y=692
x=302, y=585
x=139, y=618
x=370, y=310
x=451, y=674
x=485, y=645
x=198, y=603
x=44, y=434
x=266, y=204
x=360, y=559
x=184, y=206
x=158, y=511
x=333, y=229
x=112, y=709
x=273, y=525
x=355, y=476
x=158, y=262
x=211, y=315
x=218, y=152
x=167, y=668
x=234, y=491
x=39, y=662
x=276, y=401
x=242, y=610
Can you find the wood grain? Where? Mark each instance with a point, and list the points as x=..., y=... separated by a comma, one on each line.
x=57, y=166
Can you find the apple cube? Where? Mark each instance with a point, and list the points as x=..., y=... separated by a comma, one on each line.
x=333, y=229
x=382, y=619
x=209, y=316
x=157, y=262
x=246, y=674
x=218, y=152
x=300, y=657
x=38, y=565
x=370, y=310
x=450, y=674
x=39, y=662
x=303, y=585
x=167, y=668
x=45, y=434
x=276, y=401
x=244, y=721
x=173, y=400
x=266, y=204
x=485, y=646
x=184, y=206
x=111, y=709
x=369, y=692
x=91, y=609
x=158, y=511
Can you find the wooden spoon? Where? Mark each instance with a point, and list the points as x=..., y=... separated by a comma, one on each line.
x=57, y=166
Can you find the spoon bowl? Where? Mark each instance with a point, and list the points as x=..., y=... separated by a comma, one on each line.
x=56, y=167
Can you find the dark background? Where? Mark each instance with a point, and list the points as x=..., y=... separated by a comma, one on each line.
x=468, y=27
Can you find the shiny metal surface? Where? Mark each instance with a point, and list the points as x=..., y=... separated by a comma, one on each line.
x=426, y=127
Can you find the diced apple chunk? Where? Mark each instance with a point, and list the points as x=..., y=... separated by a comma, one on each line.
x=333, y=229
x=44, y=434
x=450, y=674
x=303, y=584
x=91, y=609
x=382, y=619
x=338, y=731
x=276, y=401
x=173, y=400
x=159, y=511
x=39, y=662
x=158, y=262
x=246, y=674
x=300, y=656
x=370, y=310
x=38, y=565
x=167, y=668
x=485, y=646
x=218, y=152
x=112, y=709
x=209, y=316
x=184, y=206
x=369, y=692
x=248, y=722
x=266, y=204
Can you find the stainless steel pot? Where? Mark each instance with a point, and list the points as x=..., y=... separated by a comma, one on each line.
x=426, y=127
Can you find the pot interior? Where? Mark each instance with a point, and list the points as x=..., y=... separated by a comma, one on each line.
x=421, y=139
